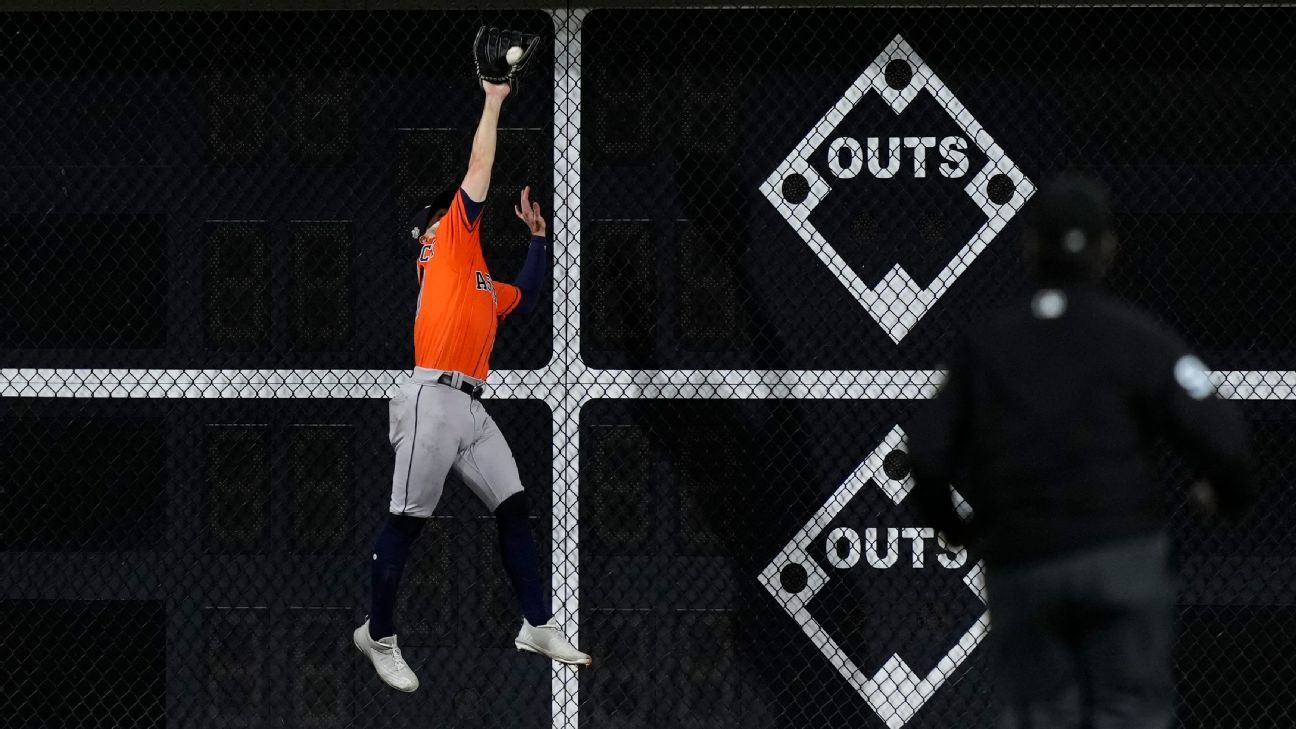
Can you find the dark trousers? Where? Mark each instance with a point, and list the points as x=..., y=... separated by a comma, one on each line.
x=1083, y=641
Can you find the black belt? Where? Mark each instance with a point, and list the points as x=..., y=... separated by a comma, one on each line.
x=474, y=391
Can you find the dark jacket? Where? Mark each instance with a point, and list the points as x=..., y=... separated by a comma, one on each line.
x=1046, y=424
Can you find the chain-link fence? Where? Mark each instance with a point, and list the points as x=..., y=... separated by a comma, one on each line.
x=767, y=225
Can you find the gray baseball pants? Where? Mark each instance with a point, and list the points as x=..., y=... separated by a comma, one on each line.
x=436, y=427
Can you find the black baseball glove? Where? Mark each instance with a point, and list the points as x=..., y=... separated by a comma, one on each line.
x=490, y=51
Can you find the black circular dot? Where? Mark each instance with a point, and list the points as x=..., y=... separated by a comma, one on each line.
x=793, y=578
x=896, y=465
x=898, y=74
x=1001, y=189
x=795, y=189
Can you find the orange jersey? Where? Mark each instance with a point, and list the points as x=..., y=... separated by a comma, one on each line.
x=459, y=306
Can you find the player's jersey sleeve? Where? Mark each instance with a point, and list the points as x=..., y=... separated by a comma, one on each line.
x=507, y=298
x=1209, y=429
x=472, y=208
x=464, y=215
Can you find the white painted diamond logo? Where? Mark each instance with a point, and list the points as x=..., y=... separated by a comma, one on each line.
x=895, y=691
x=999, y=189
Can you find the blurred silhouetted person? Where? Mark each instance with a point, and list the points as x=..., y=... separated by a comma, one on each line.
x=1046, y=423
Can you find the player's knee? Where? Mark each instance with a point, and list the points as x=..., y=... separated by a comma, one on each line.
x=515, y=508
x=408, y=527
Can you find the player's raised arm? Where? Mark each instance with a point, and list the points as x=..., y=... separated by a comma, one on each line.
x=477, y=182
x=530, y=281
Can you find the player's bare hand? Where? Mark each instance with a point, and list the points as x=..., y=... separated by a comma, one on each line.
x=495, y=91
x=529, y=212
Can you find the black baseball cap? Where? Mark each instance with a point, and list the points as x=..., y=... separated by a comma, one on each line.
x=422, y=218
x=1068, y=223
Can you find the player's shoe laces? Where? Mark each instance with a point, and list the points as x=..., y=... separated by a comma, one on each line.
x=386, y=658
x=548, y=640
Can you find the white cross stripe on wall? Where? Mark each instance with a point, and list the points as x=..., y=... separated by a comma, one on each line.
x=565, y=384
x=545, y=384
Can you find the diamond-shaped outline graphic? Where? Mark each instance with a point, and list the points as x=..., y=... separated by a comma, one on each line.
x=895, y=692
x=897, y=303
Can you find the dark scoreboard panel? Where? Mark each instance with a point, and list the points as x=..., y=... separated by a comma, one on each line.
x=231, y=189
x=227, y=542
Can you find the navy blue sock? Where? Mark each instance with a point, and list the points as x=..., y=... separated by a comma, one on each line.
x=389, y=557
x=521, y=558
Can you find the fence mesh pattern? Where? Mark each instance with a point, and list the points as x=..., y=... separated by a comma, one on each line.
x=767, y=226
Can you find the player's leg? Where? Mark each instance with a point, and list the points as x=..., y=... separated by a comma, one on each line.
x=376, y=638
x=1128, y=644
x=521, y=557
x=488, y=468
x=426, y=435
x=1030, y=652
x=426, y=428
x=391, y=552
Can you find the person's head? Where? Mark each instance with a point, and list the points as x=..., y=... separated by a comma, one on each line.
x=1070, y=236
x=424, y=222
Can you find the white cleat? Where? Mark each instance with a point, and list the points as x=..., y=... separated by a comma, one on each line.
x=548, y=640
x=386, y=658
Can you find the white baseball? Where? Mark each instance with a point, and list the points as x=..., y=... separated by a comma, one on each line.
x=513, y=55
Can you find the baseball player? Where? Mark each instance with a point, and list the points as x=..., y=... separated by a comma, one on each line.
x=437, y=421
